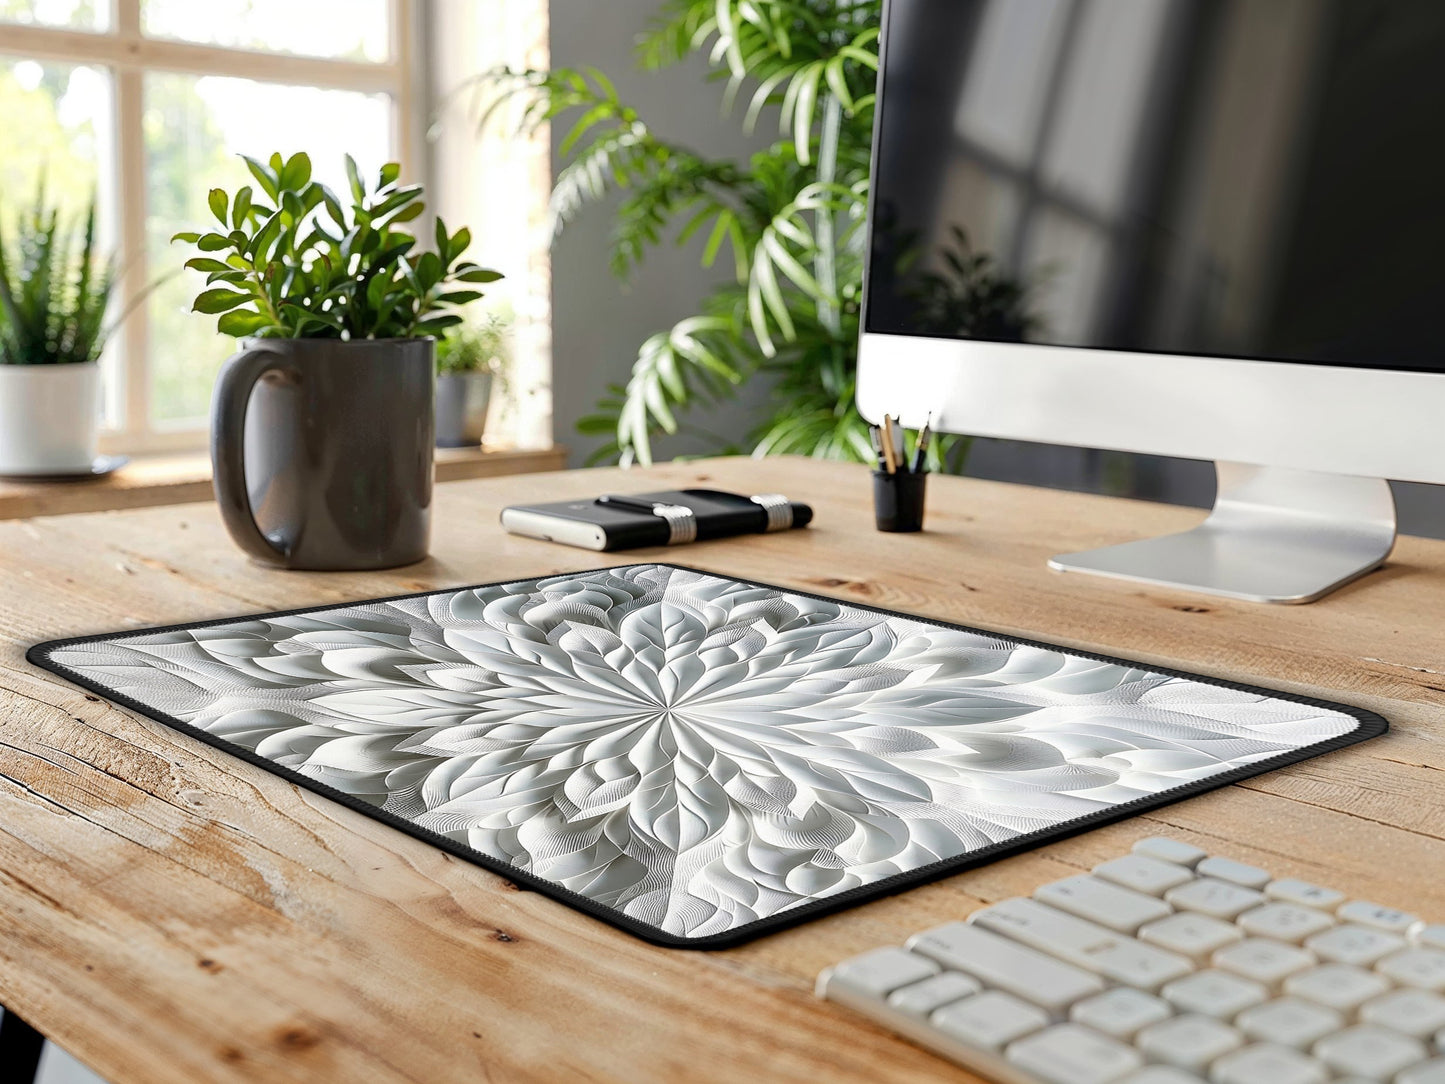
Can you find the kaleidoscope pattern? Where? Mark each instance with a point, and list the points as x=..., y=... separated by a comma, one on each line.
x=691, y=751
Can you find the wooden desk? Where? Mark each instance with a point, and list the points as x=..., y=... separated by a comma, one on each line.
x=168, y=913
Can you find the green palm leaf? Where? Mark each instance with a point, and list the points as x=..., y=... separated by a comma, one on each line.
x=791, y=215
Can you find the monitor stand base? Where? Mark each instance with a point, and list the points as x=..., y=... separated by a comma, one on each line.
x=1275, y=535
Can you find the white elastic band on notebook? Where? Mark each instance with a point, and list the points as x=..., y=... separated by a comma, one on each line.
x=681, y=523
x=779, y=510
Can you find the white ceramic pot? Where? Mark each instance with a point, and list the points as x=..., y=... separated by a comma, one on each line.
x=49, y=418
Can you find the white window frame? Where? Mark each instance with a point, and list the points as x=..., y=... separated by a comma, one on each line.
x=128, y=54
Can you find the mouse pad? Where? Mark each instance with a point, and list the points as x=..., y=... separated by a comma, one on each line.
x=694, y=758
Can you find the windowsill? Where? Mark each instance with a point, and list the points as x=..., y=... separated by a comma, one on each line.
x=148, y=481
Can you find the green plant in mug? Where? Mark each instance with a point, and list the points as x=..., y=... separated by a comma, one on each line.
x=54, y=290
x=292, y=261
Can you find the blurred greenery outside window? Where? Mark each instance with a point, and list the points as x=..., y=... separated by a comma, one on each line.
x=147, y=103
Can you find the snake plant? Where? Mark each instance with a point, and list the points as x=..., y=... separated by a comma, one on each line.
x=54, y=289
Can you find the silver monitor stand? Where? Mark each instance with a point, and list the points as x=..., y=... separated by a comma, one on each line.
x=1275, y=535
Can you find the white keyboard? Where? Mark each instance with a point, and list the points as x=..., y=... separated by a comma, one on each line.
x=1168, y=966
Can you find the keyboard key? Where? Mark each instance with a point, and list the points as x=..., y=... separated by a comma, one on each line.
x=1195, y=936
x=878, y=973
x=1304, y=894
x=1369, y=1052
x=922, y=998
x=1070, y=1054
x=1430, y=1072
x=1336, y=986
x=1188, y=1042
x=1289, y=1022
x=1227, y=869
x=999, y=962
x=1217, y=899
x=1142, y=972
x=1120, y=1012
x=1284, y=922
x=1415, y=1012
x=1082, y=943
x=1377, y=917
x=1214, y=993
x=1170, y=850
x=1143, y=874
x=1266, y=1064
x=1420, y=967
x=1103, y=902
x=989, y=1020
x=1267, y=962
x=1358, y=945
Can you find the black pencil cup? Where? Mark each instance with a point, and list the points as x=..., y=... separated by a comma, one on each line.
x=898, y=500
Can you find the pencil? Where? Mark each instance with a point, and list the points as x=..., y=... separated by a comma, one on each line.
x=889, y=456
x=877, y=442
x=921, y=448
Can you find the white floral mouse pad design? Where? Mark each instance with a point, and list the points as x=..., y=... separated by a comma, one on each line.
x=694, y=758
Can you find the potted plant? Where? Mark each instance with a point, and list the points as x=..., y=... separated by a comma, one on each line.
x=472, y=360
x=787, y=219
x=54, y=290
x=337, y=307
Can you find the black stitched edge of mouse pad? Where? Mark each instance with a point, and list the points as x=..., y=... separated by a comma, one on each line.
x=694, y=758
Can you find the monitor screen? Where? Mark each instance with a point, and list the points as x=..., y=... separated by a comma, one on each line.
x=1239, y=178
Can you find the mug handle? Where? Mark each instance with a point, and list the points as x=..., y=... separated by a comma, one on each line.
x=228, y=453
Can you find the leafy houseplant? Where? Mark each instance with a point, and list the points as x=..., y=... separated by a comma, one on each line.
x=473, y=360
x=283, y=269
x=789, y=219
x=54, y=291
x=482, y=346
x=338, y=308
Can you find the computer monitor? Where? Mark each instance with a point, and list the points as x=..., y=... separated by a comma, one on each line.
x=1202, y=228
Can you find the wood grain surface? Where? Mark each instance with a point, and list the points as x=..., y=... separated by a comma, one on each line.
x=152, y=481
x=168, y=913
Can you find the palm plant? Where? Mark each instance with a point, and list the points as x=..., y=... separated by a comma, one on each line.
x=789, y=218
x=54, y=290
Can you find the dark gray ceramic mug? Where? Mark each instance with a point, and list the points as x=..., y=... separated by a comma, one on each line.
x=322, y=451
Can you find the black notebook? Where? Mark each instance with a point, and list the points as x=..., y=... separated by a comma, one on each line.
x=602, y=524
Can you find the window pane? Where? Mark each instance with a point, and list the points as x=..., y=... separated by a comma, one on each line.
x=194, y=128
x=57, y=126
x=74, y=14
x=350, y=29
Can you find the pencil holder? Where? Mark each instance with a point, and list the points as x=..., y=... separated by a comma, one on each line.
x=898, y=500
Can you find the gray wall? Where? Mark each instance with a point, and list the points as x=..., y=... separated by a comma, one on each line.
x=598, y=323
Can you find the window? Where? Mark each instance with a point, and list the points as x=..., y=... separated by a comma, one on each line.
x=146, y=103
